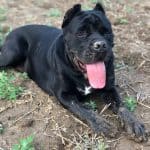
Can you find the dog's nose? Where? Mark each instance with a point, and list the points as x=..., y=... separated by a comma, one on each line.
x=99, y=45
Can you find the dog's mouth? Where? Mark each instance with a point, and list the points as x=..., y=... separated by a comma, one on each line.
x=96, y=73
x=81, y=66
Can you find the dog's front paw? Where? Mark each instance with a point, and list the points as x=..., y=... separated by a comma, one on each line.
x=103, y=127
x=134, y=128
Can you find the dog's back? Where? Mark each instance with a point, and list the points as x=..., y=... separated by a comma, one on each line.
x=22, y=40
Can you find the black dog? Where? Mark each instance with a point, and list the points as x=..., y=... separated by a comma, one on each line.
x=71, y=63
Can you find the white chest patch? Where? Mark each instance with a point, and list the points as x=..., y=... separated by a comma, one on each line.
x=87, y=90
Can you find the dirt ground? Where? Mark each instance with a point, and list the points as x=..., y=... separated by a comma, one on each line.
x=54, y=128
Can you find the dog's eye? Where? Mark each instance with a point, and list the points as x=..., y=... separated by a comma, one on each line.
x=81, y=34
x=103, y=30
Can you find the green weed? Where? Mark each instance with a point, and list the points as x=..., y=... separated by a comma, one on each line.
x=86, y=142
x=25, y=144
x=54, y=12
x=8, y=90
x=86, y=7
x=1, y=128
x=130, y=103
x=23, y=75
x=101, y=145
x=49, y=24
x=98, y=1
x=129, y=9
x=122, y=21
x=95, y=1
x=92, y=105
x=120, y=1
x=118, y=65
x=3, y=15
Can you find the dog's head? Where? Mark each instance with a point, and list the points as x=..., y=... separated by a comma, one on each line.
x=88, y=36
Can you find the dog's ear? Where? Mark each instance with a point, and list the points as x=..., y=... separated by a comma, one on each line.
x=99, y=7
x=70, y=14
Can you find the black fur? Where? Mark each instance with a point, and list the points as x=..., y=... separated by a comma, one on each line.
x=49, y=56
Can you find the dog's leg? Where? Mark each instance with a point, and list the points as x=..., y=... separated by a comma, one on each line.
x=4, y=58
x=134, y=128
x=111, y=96
x=12, y=52
x=97, y=123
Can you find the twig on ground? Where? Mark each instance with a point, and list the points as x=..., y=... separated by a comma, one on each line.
x=2, y=109
x=114, y=140
x=145, y=58
x=142, y=104
x=64, y=138
x=141, y=64
x=79, y=136
x=133, y=89
x=59, y=132
x=24, y=115
x=105, y=108
x=76, y=119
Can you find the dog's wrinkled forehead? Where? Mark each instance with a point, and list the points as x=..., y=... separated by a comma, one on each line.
x=90, y=20
x=79, y=19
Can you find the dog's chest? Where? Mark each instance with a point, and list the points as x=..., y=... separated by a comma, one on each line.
x=85, y=90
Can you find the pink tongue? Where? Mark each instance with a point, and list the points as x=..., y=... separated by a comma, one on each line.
x=96, y=74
